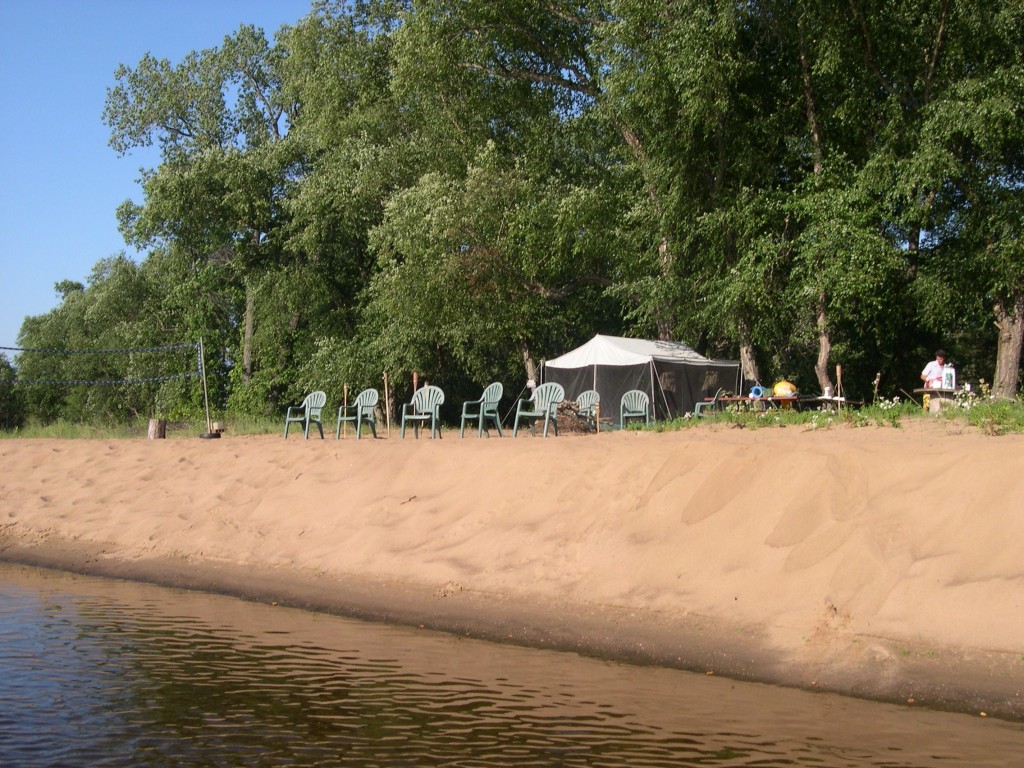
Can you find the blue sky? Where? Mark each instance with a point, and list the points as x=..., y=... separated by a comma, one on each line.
x=60, y=183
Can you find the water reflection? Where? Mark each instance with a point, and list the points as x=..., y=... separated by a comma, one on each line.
x=97, y=672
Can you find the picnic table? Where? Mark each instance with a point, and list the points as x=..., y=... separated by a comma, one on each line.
x=759, y=403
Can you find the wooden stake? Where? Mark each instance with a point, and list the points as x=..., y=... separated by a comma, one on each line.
x=202, y=374
x=344, y=403
x=387, y=404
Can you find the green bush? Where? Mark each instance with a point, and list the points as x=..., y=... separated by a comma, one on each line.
x=12, y=407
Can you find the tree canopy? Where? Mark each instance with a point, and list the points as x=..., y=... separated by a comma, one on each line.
x=460, y=189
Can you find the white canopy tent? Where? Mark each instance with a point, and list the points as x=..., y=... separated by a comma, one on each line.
x=670, y=372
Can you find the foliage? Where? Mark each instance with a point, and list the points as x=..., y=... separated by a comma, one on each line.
x=995, y=417
x=107, y=331
x=991, y=416
x=134, y=430
x=12, y=410
x=461, y=189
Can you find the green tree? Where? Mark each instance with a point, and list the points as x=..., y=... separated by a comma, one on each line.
x=396, y=111
x=221, y=121
x=963, y=182
x=685, y=86
x=477, y=270
x=12, y=411
x=94, y=357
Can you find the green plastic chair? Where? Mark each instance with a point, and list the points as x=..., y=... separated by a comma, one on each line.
x=708, y=405
x=635, y=405
x=586, y=407
x=425, y=407
x=306, y=414
x=360, y=411
x=543, y=405
x=483, y=409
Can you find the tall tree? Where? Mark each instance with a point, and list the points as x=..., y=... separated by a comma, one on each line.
x=502, y=94
x=12, y=410
x=221, y=123
x=966, y=175
x=101, y=353
x=683, y=84
x=475, y=269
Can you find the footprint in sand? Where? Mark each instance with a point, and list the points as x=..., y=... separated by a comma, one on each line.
x=834, y=494
x=718, y=488
x=686, y=482
x=235, y=499
x=815, y=548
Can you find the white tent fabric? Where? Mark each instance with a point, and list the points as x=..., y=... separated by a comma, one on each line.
x=670, y=372
x=617, y=350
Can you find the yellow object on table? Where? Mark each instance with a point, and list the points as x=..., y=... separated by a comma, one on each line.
x=784, y=389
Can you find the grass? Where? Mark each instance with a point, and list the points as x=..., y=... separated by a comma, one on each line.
x=991, y=417
x=67, y=430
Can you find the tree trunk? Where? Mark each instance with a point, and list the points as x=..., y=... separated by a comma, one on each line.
x=812, y=114
x=824, y=340
x=530, y=365
x=247, y=333
x=157, y=429
x=664, y=319
x=748, y=363
x=1011, y=335
x=824, y=347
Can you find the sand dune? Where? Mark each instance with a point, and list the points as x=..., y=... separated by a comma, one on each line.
x=878, y=561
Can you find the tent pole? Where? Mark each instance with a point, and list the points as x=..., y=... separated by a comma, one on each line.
x=653, y=393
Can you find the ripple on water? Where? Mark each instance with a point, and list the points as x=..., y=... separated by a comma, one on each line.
x=105, y=673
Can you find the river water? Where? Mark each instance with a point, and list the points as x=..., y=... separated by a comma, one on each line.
x=97, y=672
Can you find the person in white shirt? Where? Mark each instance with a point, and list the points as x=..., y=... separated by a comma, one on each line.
x=932, y=373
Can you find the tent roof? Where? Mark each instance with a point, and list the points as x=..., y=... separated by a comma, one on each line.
x=616, y=350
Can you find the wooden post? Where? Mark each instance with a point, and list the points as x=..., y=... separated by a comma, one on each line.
x=344, y=403
x=387, y=403
x=415, y=381
x=157, y=429
x=597, y=417
x=202, y=374
x=839, y=386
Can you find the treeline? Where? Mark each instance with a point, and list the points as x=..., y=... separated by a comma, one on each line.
x=461, y=188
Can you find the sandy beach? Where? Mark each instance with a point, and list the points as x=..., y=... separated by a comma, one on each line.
x=878, y=562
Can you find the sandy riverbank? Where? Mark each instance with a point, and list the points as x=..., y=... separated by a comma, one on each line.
x=879, y=562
